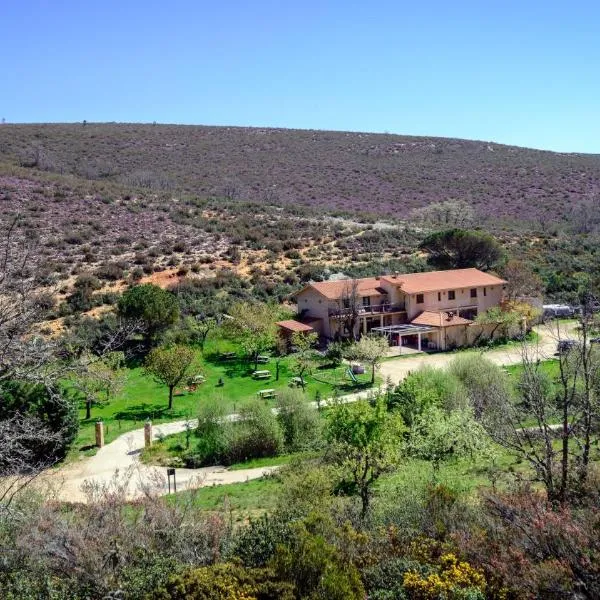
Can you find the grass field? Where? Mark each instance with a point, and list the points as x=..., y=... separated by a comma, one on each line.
x=465, y=476
x=142, y=398
x=241, y=500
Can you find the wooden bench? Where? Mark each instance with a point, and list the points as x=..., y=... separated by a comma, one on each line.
x=261, y=375
x=266, y=394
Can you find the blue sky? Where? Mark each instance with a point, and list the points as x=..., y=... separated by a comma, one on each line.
x=524, y=73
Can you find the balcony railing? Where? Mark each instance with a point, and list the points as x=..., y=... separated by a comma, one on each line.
x=368, y=310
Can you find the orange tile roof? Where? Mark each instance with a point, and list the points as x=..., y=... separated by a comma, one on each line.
x=292, y=325
x=434, y=281
x=333, y=290
x=439, y=319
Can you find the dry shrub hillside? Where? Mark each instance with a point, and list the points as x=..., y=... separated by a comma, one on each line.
x=363, y=172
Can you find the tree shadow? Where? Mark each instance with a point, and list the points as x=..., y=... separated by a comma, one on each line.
x=143, y=411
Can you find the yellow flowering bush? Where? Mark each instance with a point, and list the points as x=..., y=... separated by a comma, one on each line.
x=455, y=580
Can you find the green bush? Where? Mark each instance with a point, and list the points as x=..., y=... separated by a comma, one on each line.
x=225, y=582
x=256, y=435
x=425, y=388
x=317, y=568
x=299, y=421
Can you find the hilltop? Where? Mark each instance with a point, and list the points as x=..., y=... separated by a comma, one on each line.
x=361, y=173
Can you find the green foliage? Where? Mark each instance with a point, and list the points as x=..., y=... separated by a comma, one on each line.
x=252, y=326
x=293, y=502
x=485, y=383
x=211, y=435
x=304, y=357
x=370, y=349
x=101, y=380
x=225, y=582
x=257, y=434
x=299, y=422
x=334, y=354
x=317, y=568
x=364, y=442
x=460, y=249
x=55, y=408
x=438, y=435
x=156, y=308
x=256, y=544
x=425, y=388
x=170, y=366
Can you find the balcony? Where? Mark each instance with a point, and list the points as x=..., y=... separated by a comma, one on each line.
x=365, y=311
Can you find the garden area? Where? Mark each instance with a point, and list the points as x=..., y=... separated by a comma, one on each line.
x=226, y=381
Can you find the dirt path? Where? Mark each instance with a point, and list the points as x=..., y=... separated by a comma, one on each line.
x=543, y=349
x=117, y=465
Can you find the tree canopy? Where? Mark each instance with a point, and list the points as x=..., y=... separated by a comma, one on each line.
x=154, y=307
x=461, y=249
x=365, y=442
x=252, y=326
x=170, y=365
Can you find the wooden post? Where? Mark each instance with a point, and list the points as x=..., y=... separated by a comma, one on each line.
x=148, y=434
x=99, y=434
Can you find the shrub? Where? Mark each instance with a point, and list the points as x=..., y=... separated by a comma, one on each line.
x=256, y=435
x=317, y=568
x=212, y=436
x=110, y=272
x=225, y=582
x=299, y=422
x=425, y=388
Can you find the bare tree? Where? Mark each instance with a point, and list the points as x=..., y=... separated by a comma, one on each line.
x=553, y=424
x=349, y=305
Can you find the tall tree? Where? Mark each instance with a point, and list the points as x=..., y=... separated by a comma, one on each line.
x=170, y=366
x=154, y=307
x=460, y=249
x=252, y=326
x=364, y=440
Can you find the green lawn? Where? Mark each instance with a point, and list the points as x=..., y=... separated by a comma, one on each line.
x=242, y=500
x=143, y=398
x=257, y=496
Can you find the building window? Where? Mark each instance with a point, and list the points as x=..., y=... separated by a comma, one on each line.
x=484, y=291
x=366, y=301
x=439, y=296
x=420, y=299
x=451, y=295
x=473, y=292
x=346, y=302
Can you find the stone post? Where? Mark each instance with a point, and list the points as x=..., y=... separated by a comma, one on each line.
x=148, y=434
x=99, y=434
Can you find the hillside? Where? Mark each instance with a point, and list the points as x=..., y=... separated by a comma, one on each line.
x=378, y=174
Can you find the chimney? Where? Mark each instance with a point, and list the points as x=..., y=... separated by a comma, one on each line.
x=395, y=275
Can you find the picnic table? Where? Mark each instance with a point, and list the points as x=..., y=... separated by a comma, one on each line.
x=265, y=394
x=263, y=358
x=296, y=381
x=227, y=355
x=261, y=374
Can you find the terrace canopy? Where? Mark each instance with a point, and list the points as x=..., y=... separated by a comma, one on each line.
x=403, y=330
